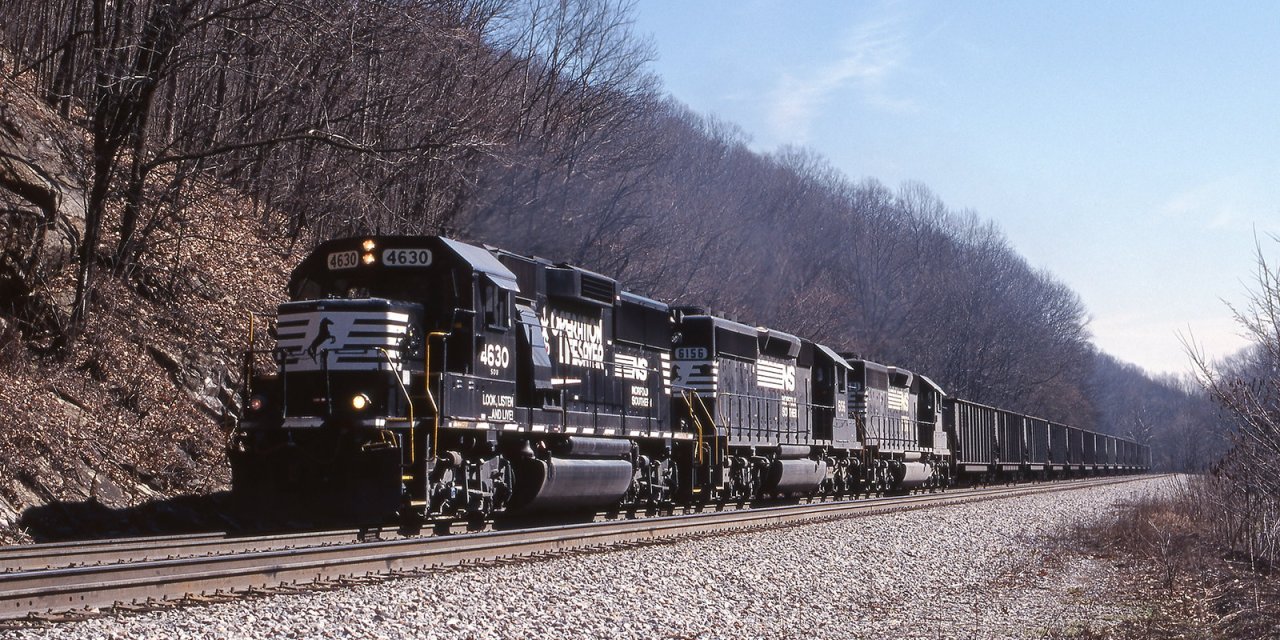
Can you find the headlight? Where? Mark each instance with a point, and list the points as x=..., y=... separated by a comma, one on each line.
x=359, y=401
x=368, y=245
x=256, y=403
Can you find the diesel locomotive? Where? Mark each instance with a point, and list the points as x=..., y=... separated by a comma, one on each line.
x=434, y=378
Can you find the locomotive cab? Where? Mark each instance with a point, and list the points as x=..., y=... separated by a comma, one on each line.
x=380, y=334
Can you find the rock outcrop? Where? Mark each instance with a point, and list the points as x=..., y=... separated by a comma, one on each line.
x=41, y=206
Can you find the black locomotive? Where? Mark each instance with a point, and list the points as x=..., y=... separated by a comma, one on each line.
x=434, y=378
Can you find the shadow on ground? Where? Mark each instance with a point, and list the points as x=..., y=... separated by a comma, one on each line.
x=216, y=512
x=221, y=513
x=90, y=519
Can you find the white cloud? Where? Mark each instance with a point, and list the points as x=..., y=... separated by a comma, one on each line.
x=1156, y=344
x=871, y=53
x=1238, y=202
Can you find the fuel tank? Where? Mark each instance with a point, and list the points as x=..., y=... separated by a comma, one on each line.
x=912, y=475
x=794, y=476
x=563, y=484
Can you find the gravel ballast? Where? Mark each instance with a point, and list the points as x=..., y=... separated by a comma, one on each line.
x=978, y=570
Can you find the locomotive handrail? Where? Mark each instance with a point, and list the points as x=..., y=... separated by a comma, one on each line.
x=403, y=391
x=328, y=384
x=284, y=382
x=715, y=442
x=248, y=362
x=696, y=423
x=247, y=372
x=435, y=408
x=716, y=458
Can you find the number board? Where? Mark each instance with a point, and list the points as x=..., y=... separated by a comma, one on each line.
x=406, y=257
x=691, y=353
x=344, y=260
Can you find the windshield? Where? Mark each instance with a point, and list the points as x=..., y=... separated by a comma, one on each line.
x=416, y=287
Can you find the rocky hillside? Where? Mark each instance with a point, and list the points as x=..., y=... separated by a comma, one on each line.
x=138, y=410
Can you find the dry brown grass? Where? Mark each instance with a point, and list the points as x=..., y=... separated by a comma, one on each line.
x=1194, y=589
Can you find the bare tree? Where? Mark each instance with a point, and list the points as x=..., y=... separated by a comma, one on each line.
x=577, y=162
x=1247, y=388
x=283, y=95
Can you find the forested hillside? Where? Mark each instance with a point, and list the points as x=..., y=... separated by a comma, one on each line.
x=163, y=161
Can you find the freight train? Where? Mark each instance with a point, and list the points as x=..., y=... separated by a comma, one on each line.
x=432, y=378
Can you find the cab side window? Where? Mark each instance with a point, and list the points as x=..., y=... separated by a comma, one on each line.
x=497, y=306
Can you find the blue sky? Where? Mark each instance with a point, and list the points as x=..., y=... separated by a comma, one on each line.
x=1132, y=149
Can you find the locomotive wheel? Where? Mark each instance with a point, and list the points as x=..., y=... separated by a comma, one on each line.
x=480, y=511
x=662, y=483
x=411, y=519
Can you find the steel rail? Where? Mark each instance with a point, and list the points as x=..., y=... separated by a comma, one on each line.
x=27, y=593
x=56, y=555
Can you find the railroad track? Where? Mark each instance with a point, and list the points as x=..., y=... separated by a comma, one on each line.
x=142, y=571
x=65, y=555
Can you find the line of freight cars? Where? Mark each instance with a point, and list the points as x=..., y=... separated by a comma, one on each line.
x=991, y=442
x=435, y=378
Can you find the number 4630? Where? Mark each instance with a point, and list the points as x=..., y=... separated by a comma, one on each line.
x=495, y=355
